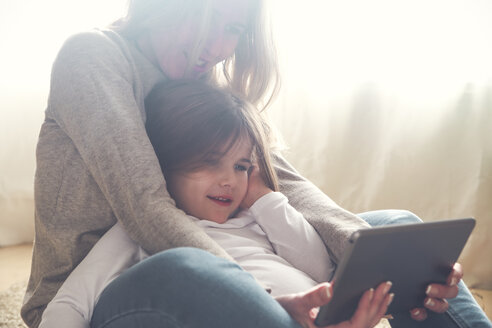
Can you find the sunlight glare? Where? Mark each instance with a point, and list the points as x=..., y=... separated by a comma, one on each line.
x=33, y=31
x=409, y=46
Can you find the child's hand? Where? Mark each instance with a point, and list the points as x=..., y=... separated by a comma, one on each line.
x=256, y=188
x=303, y=307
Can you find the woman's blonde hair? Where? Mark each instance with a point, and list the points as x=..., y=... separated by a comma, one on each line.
x=191, y=123
x=252, y=71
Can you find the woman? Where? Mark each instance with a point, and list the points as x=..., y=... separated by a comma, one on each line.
x=95, y=164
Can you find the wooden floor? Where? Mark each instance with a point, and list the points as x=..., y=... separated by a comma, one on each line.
x=15, y=263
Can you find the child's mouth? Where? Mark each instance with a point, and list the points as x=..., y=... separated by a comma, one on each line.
x=223, y=201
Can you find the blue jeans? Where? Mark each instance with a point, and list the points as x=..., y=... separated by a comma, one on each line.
x=463, y=310
x=187, y=287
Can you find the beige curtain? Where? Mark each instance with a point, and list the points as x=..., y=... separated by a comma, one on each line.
x=388, y=104
x=31, y=32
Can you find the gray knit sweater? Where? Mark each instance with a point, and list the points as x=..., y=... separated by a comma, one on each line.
x=96, y=166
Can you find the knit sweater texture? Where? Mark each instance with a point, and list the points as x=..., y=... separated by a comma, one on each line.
x=96, y=166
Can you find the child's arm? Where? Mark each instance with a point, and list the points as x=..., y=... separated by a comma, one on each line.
x=292, y=237
x=334, y=224
x=74, y=303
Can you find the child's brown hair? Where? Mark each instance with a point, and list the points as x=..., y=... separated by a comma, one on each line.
x=188, y=120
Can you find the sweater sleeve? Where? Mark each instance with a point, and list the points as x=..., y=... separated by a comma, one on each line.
x=92, y=99
x=334, y=224
x=292, y=237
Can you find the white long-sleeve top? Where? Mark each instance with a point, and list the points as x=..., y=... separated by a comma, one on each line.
x=270, y=240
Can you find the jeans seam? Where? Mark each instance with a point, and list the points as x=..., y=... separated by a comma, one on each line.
x=456, y=318
x=118, y=316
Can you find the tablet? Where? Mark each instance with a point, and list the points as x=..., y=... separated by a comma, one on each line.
x=409, y=255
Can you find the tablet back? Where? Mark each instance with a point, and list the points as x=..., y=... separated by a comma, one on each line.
x=409, y=255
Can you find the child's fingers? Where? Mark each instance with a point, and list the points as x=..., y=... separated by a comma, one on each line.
x=366, y=299
x=318, y=295
x=380, y=302
x=456, y=275
x=381, y=292
x=363, y=310
x=372, y=305
x=383, y=308
x=441, y=291
x=418, y=314
x=436, y=304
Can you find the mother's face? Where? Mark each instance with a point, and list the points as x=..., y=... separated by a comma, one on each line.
x=171, y=50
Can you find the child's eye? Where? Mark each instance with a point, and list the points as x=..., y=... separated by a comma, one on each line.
x=240, y=167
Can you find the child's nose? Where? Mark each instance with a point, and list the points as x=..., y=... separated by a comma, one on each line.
x=228, y=178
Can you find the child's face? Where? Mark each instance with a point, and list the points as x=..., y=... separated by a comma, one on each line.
x=215, y=190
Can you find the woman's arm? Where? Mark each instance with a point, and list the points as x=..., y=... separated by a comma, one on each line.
x=96, y=98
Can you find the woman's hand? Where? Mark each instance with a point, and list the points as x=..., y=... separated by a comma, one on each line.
x=437, y=293
x=256, y=188
x=304, y=307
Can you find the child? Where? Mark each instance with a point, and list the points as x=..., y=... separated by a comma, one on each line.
x=212, y=147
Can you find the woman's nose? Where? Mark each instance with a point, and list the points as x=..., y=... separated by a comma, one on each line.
x=214, y=47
